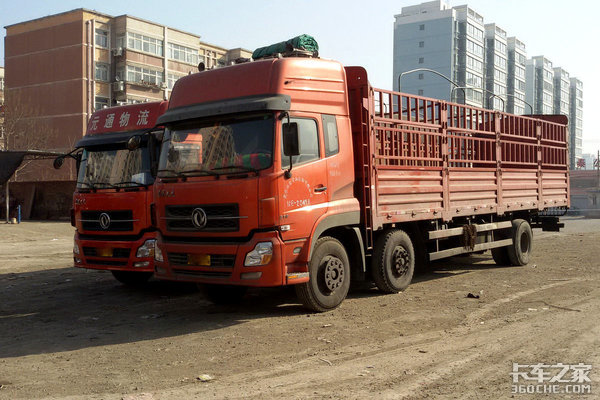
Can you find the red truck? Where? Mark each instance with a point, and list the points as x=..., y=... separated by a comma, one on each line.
x=295, y=171
x=113, y=197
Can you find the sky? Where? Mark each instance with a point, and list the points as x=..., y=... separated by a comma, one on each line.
x=358, y=32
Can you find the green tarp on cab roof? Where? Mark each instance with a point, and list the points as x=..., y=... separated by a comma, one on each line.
x=302, y=42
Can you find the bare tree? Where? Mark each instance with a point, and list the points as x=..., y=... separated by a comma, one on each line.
x=22, y=131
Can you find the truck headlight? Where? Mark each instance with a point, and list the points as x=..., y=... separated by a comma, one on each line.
x=146, y=250
x=158, y=256
x=261, y=255
x=75, y=249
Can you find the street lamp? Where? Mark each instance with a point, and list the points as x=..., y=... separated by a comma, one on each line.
x=426, y=70
x=512, y=95
x=478, y=89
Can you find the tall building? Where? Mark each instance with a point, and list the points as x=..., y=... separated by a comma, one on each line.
x=561, y=91
x=496, y=67
x=424, y=37
x=61, y=68
x=575, y=120
x=539, y=83
x=517, y=59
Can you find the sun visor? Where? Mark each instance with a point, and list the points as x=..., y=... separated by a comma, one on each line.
x=269, y=102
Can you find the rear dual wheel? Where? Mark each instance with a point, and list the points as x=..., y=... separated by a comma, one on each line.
x=519, y=252
x=393, y=262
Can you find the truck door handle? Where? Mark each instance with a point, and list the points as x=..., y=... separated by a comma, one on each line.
x=320, y=189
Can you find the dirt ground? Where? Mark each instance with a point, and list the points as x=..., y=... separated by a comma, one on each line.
x=71, y=333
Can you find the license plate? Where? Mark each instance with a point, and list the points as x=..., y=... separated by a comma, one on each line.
x=199, y=259
x=104, y=252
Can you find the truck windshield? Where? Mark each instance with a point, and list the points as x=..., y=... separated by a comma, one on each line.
x=114, y=167
x=211, y=147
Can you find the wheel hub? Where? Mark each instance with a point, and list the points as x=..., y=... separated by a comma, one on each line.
x=334, y=273
x=400, y=261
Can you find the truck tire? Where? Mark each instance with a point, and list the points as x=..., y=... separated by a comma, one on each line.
x=500, y=256
x=393, y=262
x=224, y=294
x=132, y=278
x=520, y=251
x=329, y=276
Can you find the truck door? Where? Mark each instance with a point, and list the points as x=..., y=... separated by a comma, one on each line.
x=303, y=197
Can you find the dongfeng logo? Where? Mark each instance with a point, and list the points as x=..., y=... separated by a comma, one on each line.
x=199, y=218
x=104, y=221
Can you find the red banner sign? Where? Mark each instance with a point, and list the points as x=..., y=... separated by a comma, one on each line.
x=131, y=117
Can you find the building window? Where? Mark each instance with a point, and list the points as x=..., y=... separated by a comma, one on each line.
x=499, y=61
x=420, y=92
x=101, y=38
x=474, y=80
x=421, y=60
x=420, y=76
x=501, y=47
x=474, y=64
x=100, y=103
x=474, y=31
x=144, y=75
x=147, y=44
x=474, y=48
x=421, y=44
x=101, y=72
x=211, y=59
x=422, y=27
x=171, y=79
x=182, y=53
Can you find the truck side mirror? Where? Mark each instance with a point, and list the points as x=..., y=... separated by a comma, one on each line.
x=291, y=147
x=58, y=162
x=134, y=142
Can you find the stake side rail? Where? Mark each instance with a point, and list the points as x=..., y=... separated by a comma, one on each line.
x=491, y=162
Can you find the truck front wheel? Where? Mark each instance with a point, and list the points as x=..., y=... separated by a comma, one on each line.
x=329, y=272
x=132, y=278
x=393, y=262
x=520, y=251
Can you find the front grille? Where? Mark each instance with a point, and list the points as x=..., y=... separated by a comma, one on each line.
x=220, y=218
x=120, y=220
x=116, y=253
x=216, y=260
x=202, y=274
x=107, y=262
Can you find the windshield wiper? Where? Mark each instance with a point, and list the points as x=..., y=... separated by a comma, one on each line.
x=110, y=185
x=242, y=167
x=90, y=185
x=174, y=174
x=129, y=183
x=193, y=172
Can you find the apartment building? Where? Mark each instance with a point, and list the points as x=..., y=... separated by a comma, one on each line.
x=63, y=67
x=539, y=82
x=575, y=120
x=496, y=67
x=515, y=84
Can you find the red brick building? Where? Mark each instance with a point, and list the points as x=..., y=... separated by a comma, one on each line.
x=62, y=67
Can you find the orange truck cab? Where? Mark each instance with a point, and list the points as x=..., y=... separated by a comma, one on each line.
x=113, y=196
x=230, y=211
x=295, y=171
